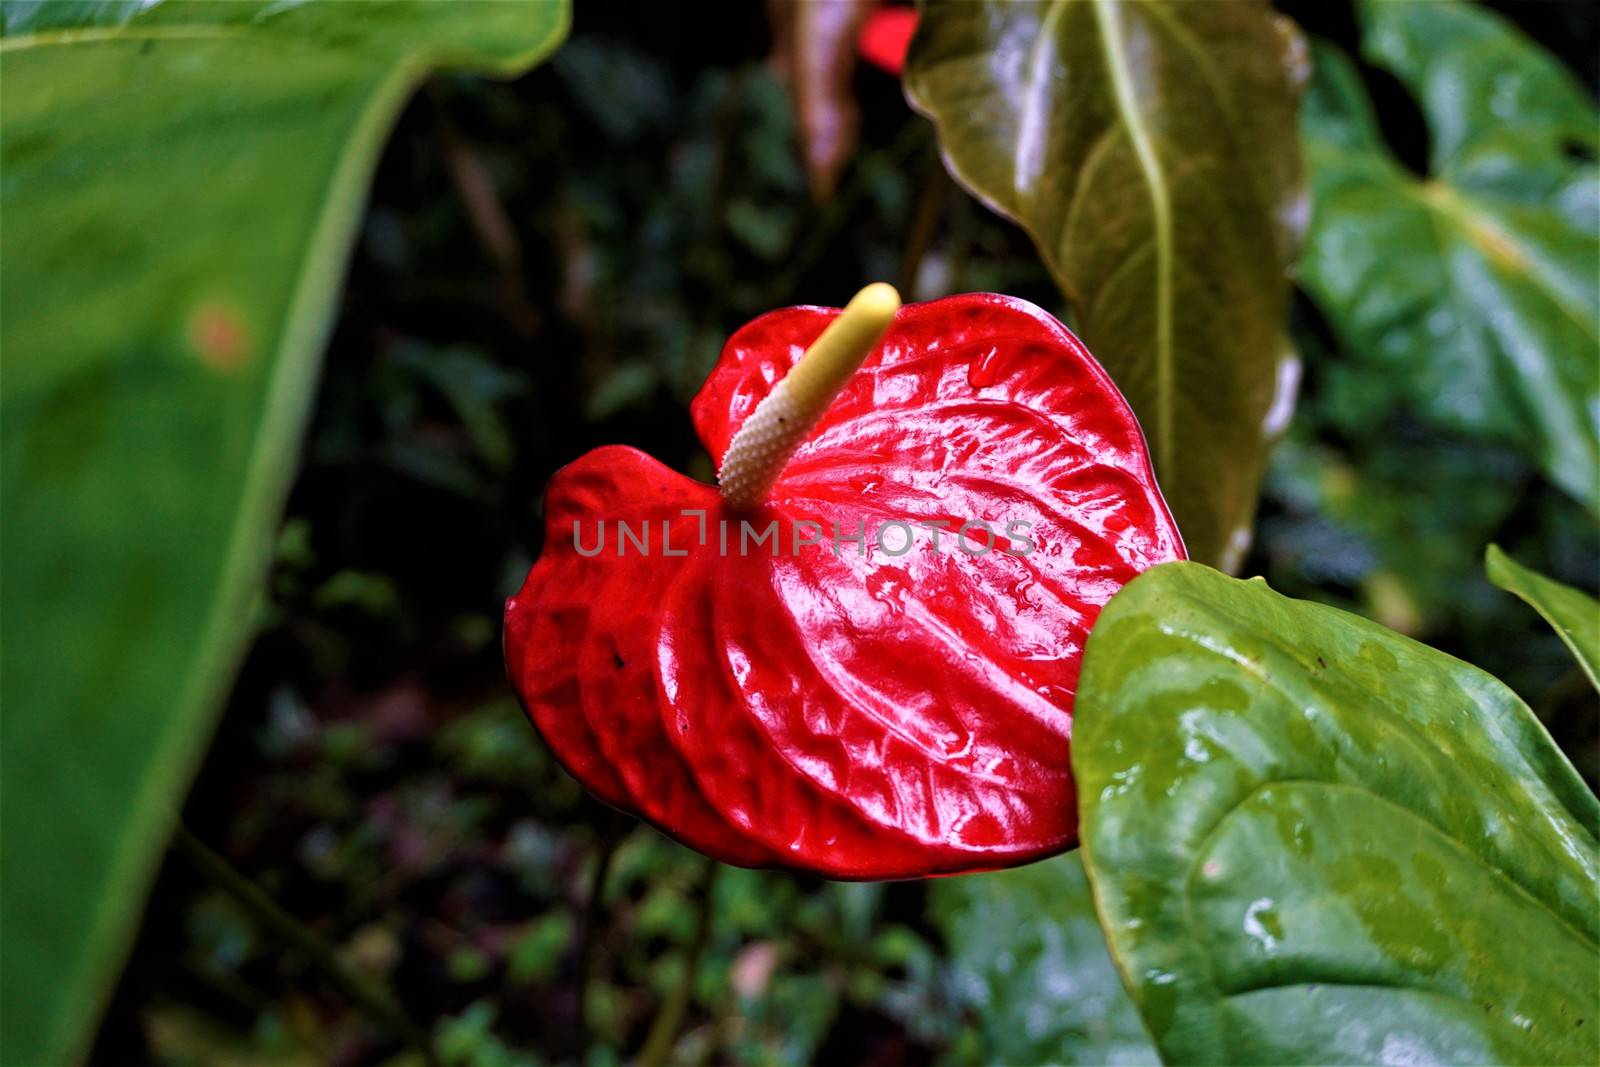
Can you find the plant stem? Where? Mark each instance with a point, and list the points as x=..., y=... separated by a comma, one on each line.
x=669, y=1019
x=613, y=829
x=490, y=221
x=368, y=994
x=925, y=220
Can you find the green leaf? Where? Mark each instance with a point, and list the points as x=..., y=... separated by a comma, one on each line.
x=1573, y=614
x=1476, y=287
x=1313, y=840
x=181, y=183
x=1151, y=151
x=1028, y=960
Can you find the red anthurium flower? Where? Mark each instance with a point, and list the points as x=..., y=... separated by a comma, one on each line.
x=857, y=656
x=885, y=37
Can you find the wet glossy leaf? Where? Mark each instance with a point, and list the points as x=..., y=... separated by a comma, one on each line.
x=1152, y=153
x=1477, y=286
x=1029, y=961
x=1313, y=840
x=181, y=185
x=1573, y=614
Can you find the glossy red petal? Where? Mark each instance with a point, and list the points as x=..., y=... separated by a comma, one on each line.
x=770, y=799
x=886, y=715
x=581, y=641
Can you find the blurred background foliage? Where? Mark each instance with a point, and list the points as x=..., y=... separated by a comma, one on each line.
x=553, y=263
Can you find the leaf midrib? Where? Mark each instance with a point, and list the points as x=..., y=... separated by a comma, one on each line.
x=1445, y=202
x=1132, y=119
x=102, y=34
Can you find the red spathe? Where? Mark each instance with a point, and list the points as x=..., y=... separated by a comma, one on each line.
x=882, y=717
x=885, y=37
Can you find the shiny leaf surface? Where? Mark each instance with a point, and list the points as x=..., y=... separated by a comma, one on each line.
x=1572, y=613
x=1477, y=286
x=892, y=708
x=1028, y=960
x=1313, y=840
x=1151, y=151
x=181, y=184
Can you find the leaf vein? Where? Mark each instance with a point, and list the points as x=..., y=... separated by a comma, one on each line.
x=1128, y=109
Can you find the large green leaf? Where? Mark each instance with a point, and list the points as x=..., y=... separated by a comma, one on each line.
x=1028, y=960
x=1572, y=613
x=1313, y=840
x=1478, y=286
x=1151, y=151
x=180, y=185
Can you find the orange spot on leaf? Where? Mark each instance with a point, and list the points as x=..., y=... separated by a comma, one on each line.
x=218, y=336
